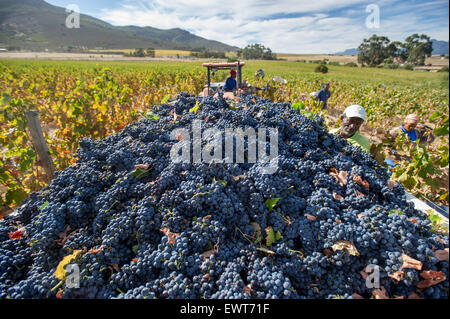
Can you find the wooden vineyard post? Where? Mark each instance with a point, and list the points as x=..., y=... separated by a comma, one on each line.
x=39, y=144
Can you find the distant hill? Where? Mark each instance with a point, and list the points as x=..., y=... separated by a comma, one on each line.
x=36, y=24
x=439, y=47
x=348, y=52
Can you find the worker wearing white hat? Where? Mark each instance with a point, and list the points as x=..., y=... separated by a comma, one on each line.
x=415, y=131
x=351, y=120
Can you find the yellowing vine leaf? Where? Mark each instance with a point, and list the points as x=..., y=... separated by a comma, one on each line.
x=195, y=108
x=60, y=272
x=347, y=245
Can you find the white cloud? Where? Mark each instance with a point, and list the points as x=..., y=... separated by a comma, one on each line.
x=244, y=8
x=285, y=26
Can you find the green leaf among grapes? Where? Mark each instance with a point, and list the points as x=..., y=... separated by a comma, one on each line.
x=139, y=173
x=271, y=202
x=44, y=205
x=272, y=236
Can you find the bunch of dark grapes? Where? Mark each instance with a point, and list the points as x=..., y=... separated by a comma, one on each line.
x=137, y=224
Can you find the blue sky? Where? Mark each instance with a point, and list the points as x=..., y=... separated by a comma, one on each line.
x=286, y=26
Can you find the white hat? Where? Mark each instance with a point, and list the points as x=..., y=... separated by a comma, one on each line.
x=355, y=111
x=412, y=118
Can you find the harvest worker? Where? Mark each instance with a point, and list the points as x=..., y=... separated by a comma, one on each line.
x=324, y=94
x=230, y=84
x=351, y=120
x=413, y=130
x=260, y=73
x=408, y=128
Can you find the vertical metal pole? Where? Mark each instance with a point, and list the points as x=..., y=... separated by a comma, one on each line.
x=209, y=79
x=239, y=75
x=39, y=144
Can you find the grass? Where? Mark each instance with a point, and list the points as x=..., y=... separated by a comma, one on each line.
x=342, y=73
x=171, y=53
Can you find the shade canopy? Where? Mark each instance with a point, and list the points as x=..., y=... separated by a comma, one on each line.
x=224, y=65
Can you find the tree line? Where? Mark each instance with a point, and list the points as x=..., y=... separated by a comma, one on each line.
x=379, y=49
x=141, y=52
x=256, y=52
x=250, y=52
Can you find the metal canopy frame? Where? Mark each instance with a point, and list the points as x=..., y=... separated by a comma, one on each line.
x=225, y=66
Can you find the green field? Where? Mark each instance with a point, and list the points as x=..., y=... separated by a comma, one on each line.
x=287, y=69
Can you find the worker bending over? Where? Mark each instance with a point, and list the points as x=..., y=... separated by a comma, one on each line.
x=324, y=94
x=414, y=130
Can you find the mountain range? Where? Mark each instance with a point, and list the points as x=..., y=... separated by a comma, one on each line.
x=439, y=47
x=38, y=25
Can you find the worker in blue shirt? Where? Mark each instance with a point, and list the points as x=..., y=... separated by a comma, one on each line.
x=417, y=133
x=231, y=83
x=408, y=127
x=324, y=94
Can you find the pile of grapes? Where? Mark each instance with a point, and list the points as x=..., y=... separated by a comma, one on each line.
x=132, y=223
